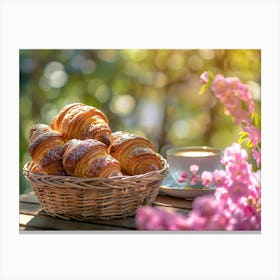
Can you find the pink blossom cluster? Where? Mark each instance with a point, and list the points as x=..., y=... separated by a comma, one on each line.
x=192, y=177
x=254, y=135
x=236, y=97
x=236, y=204
x=239, y=103
x=149, y=218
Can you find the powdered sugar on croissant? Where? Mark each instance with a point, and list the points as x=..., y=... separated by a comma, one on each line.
x=46, y=148
x=89, y=158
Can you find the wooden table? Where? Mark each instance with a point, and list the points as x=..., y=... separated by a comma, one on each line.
x=32, y=216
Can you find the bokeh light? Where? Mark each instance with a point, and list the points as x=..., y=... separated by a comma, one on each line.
x=207, y=54
x=102, y=93
x=255, y=89
x=122, y=104
x=108, y=55
x=55, y=74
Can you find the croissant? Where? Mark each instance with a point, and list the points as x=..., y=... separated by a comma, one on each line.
x=89, y=158
x=136, y=154
x=38, y=129
x=79, y=121
x=46, y=148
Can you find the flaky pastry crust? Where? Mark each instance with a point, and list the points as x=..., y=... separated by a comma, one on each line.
x=136, y=154
x=80, y=121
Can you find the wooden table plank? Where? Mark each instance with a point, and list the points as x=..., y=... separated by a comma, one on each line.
x=23, y=228
x=29, y=208
x=127, y=223
x=25, y=219
x=181, y=211
x=46, y=222
x=173, y=202
x=29, y=198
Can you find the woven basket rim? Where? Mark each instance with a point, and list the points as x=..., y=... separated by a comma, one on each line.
x=26, y=168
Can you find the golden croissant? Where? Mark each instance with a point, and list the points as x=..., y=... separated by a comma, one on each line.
x=38, y=129
x=89, y=158
x=79, y=121
x=136, y=154
x=46, y=148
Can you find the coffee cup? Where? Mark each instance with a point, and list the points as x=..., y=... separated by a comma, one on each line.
x=196, y=158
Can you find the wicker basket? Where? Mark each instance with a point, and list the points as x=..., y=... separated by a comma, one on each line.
x=88, y=199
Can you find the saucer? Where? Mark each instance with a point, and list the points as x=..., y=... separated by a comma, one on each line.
x=172, y=188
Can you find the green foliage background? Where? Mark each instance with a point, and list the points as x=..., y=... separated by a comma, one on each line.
x=147, y=92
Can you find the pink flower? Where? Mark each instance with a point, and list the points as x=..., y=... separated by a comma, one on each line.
x=221, y=194
x=237, y=191
x=195, y=221
x=148, y=219
x=233, y=83
x=194, y=168
x=181, y=180
x=153, y=218
x=219, y=84
x=236, y=97
x=204, y=77
x=206, y=205
x=234, y=153
x=240, y=173
x=254, y=133
x=218, y=221
x=219, y=178
x=207, y=178
x=257, y=156
x=195, y=179
x=184, y=174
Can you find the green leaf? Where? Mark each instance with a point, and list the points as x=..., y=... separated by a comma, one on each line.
x=242, y=133
x=256, y=120
x=203, y=88
x=211, y=76
x=244, y=105
x=243, y=136
x=250, y=144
